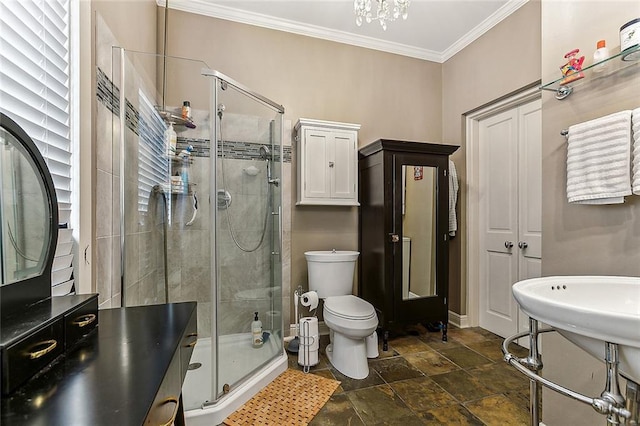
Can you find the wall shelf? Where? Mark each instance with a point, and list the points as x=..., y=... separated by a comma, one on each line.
x=615, y=64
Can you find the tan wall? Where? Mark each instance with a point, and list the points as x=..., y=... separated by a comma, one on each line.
x=133, y=22
x=391, y=96
x=503, y=60
x=600, y=240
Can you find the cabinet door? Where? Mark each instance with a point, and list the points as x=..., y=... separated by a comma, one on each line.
x=420, y=253
x=342, y=165
x=316, y=149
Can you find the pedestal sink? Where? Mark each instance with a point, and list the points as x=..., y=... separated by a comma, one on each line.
x=589, y=311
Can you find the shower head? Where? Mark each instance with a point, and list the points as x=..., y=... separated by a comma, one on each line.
x=264, y=152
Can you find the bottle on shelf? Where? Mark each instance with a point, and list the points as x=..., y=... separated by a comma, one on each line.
x=186, y=110
x=171, y=139
x=601, y=53
x=185, y=155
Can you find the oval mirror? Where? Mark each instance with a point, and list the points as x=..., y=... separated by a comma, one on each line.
x=24, y=212
x=28, y=220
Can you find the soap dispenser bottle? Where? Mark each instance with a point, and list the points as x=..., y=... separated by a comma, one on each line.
x=256, y=332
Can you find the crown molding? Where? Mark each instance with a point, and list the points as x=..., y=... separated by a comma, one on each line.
x=206, y=8
x=493, y=20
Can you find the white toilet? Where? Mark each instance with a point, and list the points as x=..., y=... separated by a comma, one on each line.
x=350, y=319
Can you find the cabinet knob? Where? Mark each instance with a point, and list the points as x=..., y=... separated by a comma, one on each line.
x=394, y=238
x=330, y=163
x=523, y=245
x=508, y=244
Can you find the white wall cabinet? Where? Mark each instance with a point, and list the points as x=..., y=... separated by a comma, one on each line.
x=327, y=163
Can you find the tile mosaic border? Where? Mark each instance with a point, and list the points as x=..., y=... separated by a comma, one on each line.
x=109, y=94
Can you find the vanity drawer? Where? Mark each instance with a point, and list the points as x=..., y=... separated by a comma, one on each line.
x=80, y=322
x=187, y=343
x=26, y=357
x=166, y=404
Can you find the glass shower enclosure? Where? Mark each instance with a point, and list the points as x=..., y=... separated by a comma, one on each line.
x=201, y=215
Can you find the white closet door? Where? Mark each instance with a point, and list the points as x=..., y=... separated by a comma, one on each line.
x=499, y=222
x=510, y=213
x=530, y=196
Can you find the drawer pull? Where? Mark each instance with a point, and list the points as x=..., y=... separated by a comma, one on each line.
x=192, y=335
x=84, y=320
x=52, y=344
x=191, y=345
x=171, y=400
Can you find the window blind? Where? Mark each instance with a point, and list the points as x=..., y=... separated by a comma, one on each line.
x=153, y=167
x=34, y=92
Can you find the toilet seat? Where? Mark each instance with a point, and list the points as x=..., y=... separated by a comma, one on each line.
x=349, y=307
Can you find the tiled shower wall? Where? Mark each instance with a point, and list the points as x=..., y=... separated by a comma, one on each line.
x=107, y=190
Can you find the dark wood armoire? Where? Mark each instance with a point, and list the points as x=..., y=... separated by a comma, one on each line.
x=403, y=232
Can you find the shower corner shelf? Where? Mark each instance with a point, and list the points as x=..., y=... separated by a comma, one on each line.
x=168, y=189
x=176, y=119
x=174, y=158
x=564, y=90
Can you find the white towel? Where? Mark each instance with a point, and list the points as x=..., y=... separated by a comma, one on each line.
x=599, y=160
x=453, y=197
x=635, y=125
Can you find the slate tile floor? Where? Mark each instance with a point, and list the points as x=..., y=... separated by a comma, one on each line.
x=421, y=380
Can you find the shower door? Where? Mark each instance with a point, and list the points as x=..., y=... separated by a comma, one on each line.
x=248, y=131
x=201, y=222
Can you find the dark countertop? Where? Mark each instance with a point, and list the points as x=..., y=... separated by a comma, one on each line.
x=112, y=378
x=18, y=324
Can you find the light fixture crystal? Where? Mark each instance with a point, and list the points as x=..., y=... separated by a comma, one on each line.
x=385, y=12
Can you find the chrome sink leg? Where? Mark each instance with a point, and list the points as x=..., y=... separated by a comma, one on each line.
x=633, y=403
x=534, y=363
x=611, y=400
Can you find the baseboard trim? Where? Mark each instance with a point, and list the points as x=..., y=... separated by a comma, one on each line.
x=460, y=321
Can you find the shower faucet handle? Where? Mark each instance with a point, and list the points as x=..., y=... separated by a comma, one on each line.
x=330, y=163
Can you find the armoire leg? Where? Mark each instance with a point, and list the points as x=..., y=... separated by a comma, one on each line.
x=444, y=331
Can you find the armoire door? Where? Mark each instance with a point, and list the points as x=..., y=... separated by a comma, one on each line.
x=510, y=212
x=419, y=218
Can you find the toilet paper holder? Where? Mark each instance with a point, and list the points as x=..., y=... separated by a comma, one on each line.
x=309, y=300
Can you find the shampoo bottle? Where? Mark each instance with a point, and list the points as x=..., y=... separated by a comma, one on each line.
x=256, y=332
x=171, y=139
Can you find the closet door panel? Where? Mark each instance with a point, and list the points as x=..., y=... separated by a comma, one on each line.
x=316, y=167
x=530, y=180
x=499, y=222
x=344, y=173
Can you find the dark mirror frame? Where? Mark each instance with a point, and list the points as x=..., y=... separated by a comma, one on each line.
x=17, y=295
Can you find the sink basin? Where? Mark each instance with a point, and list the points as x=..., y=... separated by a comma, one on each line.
x=589, y=311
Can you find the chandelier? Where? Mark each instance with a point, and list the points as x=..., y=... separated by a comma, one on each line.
x=385, y=13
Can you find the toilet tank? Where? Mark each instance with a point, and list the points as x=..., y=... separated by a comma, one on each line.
x=331, y=272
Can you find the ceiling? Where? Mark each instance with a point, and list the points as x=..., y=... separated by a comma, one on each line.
x=435, y=29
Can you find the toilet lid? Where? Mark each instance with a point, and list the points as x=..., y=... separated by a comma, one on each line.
x=350, y=307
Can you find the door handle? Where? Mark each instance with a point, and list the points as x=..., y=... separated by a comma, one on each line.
x=508, y=244
x=523, y=244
